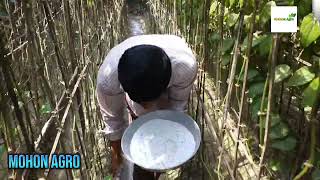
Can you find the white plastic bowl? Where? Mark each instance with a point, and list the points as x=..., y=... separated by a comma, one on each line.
x=161, y=140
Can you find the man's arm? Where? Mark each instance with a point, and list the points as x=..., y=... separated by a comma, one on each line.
x=112, y=110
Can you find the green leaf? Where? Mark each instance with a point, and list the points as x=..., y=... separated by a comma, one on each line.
x=275, y=119
x=214, y=37
x=227, y=44
x=265, y=14
x=256, y=89
x=316, y=174
x=265, y=45
x=213, y=8
x=45, y=109
x=225, y=59
x=275, y=165
x=252, y=73
x=310, y=93
x=309, y=30
x=255, y=41
x=232, y=19
x=301, y=77
x=287, y=144
x=281, y=130
x=282, y=72
x=255, y=107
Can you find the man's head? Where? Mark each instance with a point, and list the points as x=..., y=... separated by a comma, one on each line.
x=144, y=72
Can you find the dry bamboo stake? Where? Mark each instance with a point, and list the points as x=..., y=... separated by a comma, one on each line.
x=48, y=125
x=10, y=88
x=230, y=85
x=270, y=99
x=65, y=116
x=34, y=45
x=52, y=30
x=314, y=125
x=70, y=40
x=214, y=133
x=244, y=85
x=218, y=67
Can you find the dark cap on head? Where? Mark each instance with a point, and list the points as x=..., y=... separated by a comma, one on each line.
x=144, y=72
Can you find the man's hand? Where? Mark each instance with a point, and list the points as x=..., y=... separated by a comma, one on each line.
x=116, y=158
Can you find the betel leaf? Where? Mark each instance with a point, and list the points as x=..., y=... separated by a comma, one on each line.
x=265, y=45
x=227, y=44
x=265, y=14
x=255, y=107
x=275, y=119
x=309, y=30
x=255, y=41
x=252, y=73
x=225, y=59
x=310, y=94
x=281, y=130
x=287, y=144
x=214, y=37
x=256, y=89
x=232, y=19
x=282, y=72
x=301, y=77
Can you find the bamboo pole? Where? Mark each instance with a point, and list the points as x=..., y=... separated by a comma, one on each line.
x=82, y=74
x=244, y=87
x=273, y=60
x=227, y=103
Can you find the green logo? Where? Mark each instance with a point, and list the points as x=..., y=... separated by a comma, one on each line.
x=289, y=18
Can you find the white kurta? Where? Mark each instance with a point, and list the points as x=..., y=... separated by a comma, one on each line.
x=111, y=96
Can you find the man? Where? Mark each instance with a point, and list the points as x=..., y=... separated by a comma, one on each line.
x=142, y=74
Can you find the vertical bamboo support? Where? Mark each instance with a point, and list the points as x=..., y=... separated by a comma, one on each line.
x=273, y=60
x=244, y=87
x=227, y=103
x=219, y=57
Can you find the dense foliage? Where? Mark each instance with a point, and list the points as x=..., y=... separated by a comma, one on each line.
x=292, y=148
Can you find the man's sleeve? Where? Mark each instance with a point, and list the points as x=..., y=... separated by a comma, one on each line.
x=112, y=110
x=185, y=75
